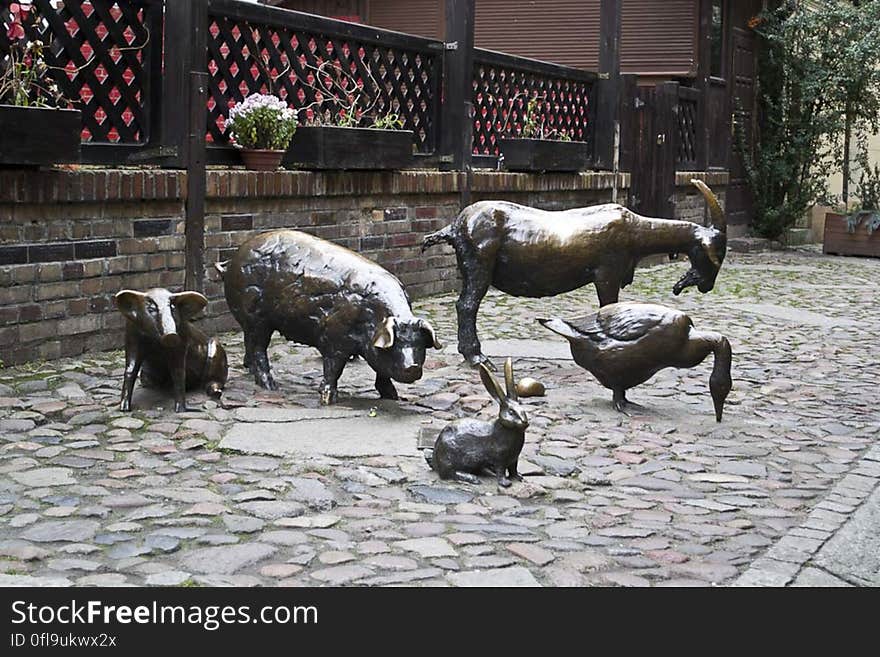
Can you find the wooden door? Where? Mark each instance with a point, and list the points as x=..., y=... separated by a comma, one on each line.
x=652, y=188
x=743, y=70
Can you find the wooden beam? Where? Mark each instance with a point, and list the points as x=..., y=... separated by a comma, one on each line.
x=607, y=119
x=456, y=129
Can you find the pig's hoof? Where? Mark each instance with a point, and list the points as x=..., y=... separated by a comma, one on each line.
x=504, y=482
x=125, y=407
x=180, y=407
x=328, y=396
x=388, y=392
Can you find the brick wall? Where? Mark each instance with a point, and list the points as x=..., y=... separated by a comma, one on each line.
x=69, y=240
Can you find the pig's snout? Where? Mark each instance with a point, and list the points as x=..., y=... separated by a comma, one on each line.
x=171, y=340
x=410, y=369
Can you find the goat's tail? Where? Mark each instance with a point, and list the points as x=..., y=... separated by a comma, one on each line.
x=444, y=235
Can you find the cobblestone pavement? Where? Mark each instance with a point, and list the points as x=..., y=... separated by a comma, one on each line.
x=270, y=489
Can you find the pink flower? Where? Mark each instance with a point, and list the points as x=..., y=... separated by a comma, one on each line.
x=15, y=31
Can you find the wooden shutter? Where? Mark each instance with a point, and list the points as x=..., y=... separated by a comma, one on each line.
x=659, y=38
x=559, y=31
x=421, y=17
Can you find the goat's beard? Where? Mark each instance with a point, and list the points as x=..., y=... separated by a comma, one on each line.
x=691, y=277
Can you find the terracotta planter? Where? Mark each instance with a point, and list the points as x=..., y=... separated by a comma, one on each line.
x=34, y=136
x=839, y=241
x=544, y=155
x=256, y=159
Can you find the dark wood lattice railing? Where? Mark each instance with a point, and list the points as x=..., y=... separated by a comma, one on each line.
x=504, y=84
x=688, y=108
x=105, y=57
x=256, y=49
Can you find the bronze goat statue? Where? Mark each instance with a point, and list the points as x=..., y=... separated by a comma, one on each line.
x=528, y=252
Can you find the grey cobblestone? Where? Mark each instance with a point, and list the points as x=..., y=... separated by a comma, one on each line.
x=665, y=496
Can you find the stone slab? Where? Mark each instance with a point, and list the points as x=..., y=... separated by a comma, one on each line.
x=501, y=349
x=796, y=315
x=384, y=435
x=853, y=553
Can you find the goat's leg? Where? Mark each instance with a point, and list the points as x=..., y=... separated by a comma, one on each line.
x=477, y=278
x=608, y=289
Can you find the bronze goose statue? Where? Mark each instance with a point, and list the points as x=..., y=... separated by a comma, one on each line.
x=625, y=344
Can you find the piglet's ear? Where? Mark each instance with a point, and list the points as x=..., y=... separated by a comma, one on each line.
x=426, y=326
x=129, y=303
x=189, y=304
x=383, y=338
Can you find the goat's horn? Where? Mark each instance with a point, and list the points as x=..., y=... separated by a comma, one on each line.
x=718, y=218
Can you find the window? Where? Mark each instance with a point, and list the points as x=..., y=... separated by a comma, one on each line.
x=716, y=37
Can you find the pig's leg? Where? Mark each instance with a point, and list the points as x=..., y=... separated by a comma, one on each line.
x=476, y=283
x=259, y=343
x=333, y=366
x=218, y=369
x=133, y=360
x=386, y=388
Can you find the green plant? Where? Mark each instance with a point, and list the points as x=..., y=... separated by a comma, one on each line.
x=534, y=126
x=262, y=121
x=23, y=69
x=818, y=76
x=345, y=101
x=868, y=191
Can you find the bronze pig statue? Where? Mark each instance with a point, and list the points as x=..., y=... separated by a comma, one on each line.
x=162, y=344
x=328, y=297
x=534, y=253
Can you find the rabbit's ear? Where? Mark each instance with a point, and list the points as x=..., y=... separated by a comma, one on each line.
x=508, y=380
x=492, y=385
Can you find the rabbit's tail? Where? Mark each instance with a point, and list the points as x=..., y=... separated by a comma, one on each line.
x=429, y=457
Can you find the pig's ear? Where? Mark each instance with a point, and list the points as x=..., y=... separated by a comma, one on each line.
x=383, y=338
x=129, y=303
x=189, y=304
x=426, y=326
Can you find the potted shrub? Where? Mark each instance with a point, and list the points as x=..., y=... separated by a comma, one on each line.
x=540, y=149
x=857, y=233
x=345, y=130
x=262, y=127
x=33, y=130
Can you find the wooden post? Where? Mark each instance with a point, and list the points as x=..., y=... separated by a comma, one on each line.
x=607, y=119
x=704, y=62
x=196, y=184
x=188, y=129
x=457, y=132
x=186, y=44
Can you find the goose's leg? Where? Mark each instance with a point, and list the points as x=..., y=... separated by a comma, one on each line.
x=621, y=402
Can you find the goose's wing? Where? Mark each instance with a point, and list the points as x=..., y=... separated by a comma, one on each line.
x=626, y=322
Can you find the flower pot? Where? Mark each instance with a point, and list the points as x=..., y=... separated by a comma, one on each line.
x=544, y=155
x=332, y=147
x=259, y=159
x=35, y=136
x=839, y=241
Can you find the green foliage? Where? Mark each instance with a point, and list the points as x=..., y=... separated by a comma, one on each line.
x=533, y=126
x=388, y=122
x=868, y=191
x=815, y=65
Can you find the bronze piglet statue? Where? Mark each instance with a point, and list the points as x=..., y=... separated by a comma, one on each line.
x=162, y=344
x=469, y=446
x=625, y=344
x=326, y=296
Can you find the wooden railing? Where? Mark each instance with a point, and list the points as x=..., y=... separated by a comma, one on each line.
x=503, y=86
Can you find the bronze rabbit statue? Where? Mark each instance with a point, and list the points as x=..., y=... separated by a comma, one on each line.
x=469, y=446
